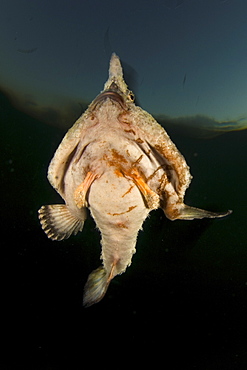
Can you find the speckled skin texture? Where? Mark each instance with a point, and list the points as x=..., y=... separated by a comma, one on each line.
x=120, y=163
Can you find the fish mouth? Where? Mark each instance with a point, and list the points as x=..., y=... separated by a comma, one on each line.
x=109, y=94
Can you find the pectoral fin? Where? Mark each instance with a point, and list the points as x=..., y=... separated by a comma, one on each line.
x=81, y=191
x=152, y=199
x=58, y=223
x=184, y=212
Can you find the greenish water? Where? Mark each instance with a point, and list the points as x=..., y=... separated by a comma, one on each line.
x=185, y=291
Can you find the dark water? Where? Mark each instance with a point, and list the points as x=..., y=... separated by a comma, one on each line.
x=182, y=301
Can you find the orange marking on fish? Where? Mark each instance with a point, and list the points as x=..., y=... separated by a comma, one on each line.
x=118, y=172
x=121, y=225
x=130, y=131
x=128, y=191
x=139, y=141
x=115, y=159
x=118, y=157
x=122, y=213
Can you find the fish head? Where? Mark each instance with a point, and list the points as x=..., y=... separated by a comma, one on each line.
x=115, y=87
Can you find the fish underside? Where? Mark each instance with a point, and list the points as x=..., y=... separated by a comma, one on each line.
x=120, y=163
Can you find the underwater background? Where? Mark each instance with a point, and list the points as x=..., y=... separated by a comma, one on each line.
x=183, y=300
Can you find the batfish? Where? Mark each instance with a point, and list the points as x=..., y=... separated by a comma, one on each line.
x=118, y=162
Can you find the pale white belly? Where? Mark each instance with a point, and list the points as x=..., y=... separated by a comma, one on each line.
x=118, y=209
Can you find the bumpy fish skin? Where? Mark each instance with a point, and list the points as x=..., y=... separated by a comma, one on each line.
x=120, y=163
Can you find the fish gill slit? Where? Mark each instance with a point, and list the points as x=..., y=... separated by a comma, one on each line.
x=67, y=163
x=81, y=153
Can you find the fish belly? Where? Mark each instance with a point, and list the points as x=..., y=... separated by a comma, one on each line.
x=118, y=209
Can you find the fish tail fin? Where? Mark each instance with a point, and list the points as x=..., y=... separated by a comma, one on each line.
x=96, y=286
x=58, y=223
x=189, y=213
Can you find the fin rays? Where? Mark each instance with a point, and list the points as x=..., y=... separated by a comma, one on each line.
x=58, y=223
x=185, y=212
x=97, y=285
x=190, y=213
